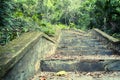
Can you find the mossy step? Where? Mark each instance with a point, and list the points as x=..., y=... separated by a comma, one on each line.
x=82, y=48
x=82, y=44
x=78, y=37
x=85, y=52
x=72, y=35
x=80, y=40
x=87, y=65
x=73, y=32
x=72, y=44
x=84, y=57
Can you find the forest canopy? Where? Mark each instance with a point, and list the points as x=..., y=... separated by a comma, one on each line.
x=19, y=16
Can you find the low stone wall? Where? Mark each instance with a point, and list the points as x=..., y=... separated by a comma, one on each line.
x=112, y=43
x=20, y=59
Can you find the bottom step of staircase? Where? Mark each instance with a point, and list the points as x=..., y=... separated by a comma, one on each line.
x=80, y=65
x=78, y=76
x=57, y=63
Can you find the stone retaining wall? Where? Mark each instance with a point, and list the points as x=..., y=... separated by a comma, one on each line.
x=20, y=59
x=111, y=42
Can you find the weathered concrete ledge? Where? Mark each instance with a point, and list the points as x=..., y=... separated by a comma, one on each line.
x=110, y=41
x=20, y=58
x=86, y=65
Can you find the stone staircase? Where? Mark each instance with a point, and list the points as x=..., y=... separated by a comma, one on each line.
x=81, y=57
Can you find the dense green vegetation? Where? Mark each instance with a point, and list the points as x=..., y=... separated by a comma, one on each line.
x=106, y=16
x=19, y=16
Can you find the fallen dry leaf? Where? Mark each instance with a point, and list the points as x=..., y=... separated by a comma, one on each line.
x=43, y=78
x=61, y=73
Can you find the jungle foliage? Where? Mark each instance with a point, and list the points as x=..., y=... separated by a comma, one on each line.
x=19, y=16
x=106, y=16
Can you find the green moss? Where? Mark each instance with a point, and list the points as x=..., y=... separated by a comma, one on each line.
x=116, y=35
x=107, y=36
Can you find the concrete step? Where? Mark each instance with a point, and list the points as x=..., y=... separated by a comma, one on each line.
x=72, y=44
x=71, y=32
x=79, y=38
x=82, y=44
x=84, y=57
x=85, y=52
x=79, y=41
x=81, y=48
x=62, y=46
x=85, y=65
x=77, y=76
